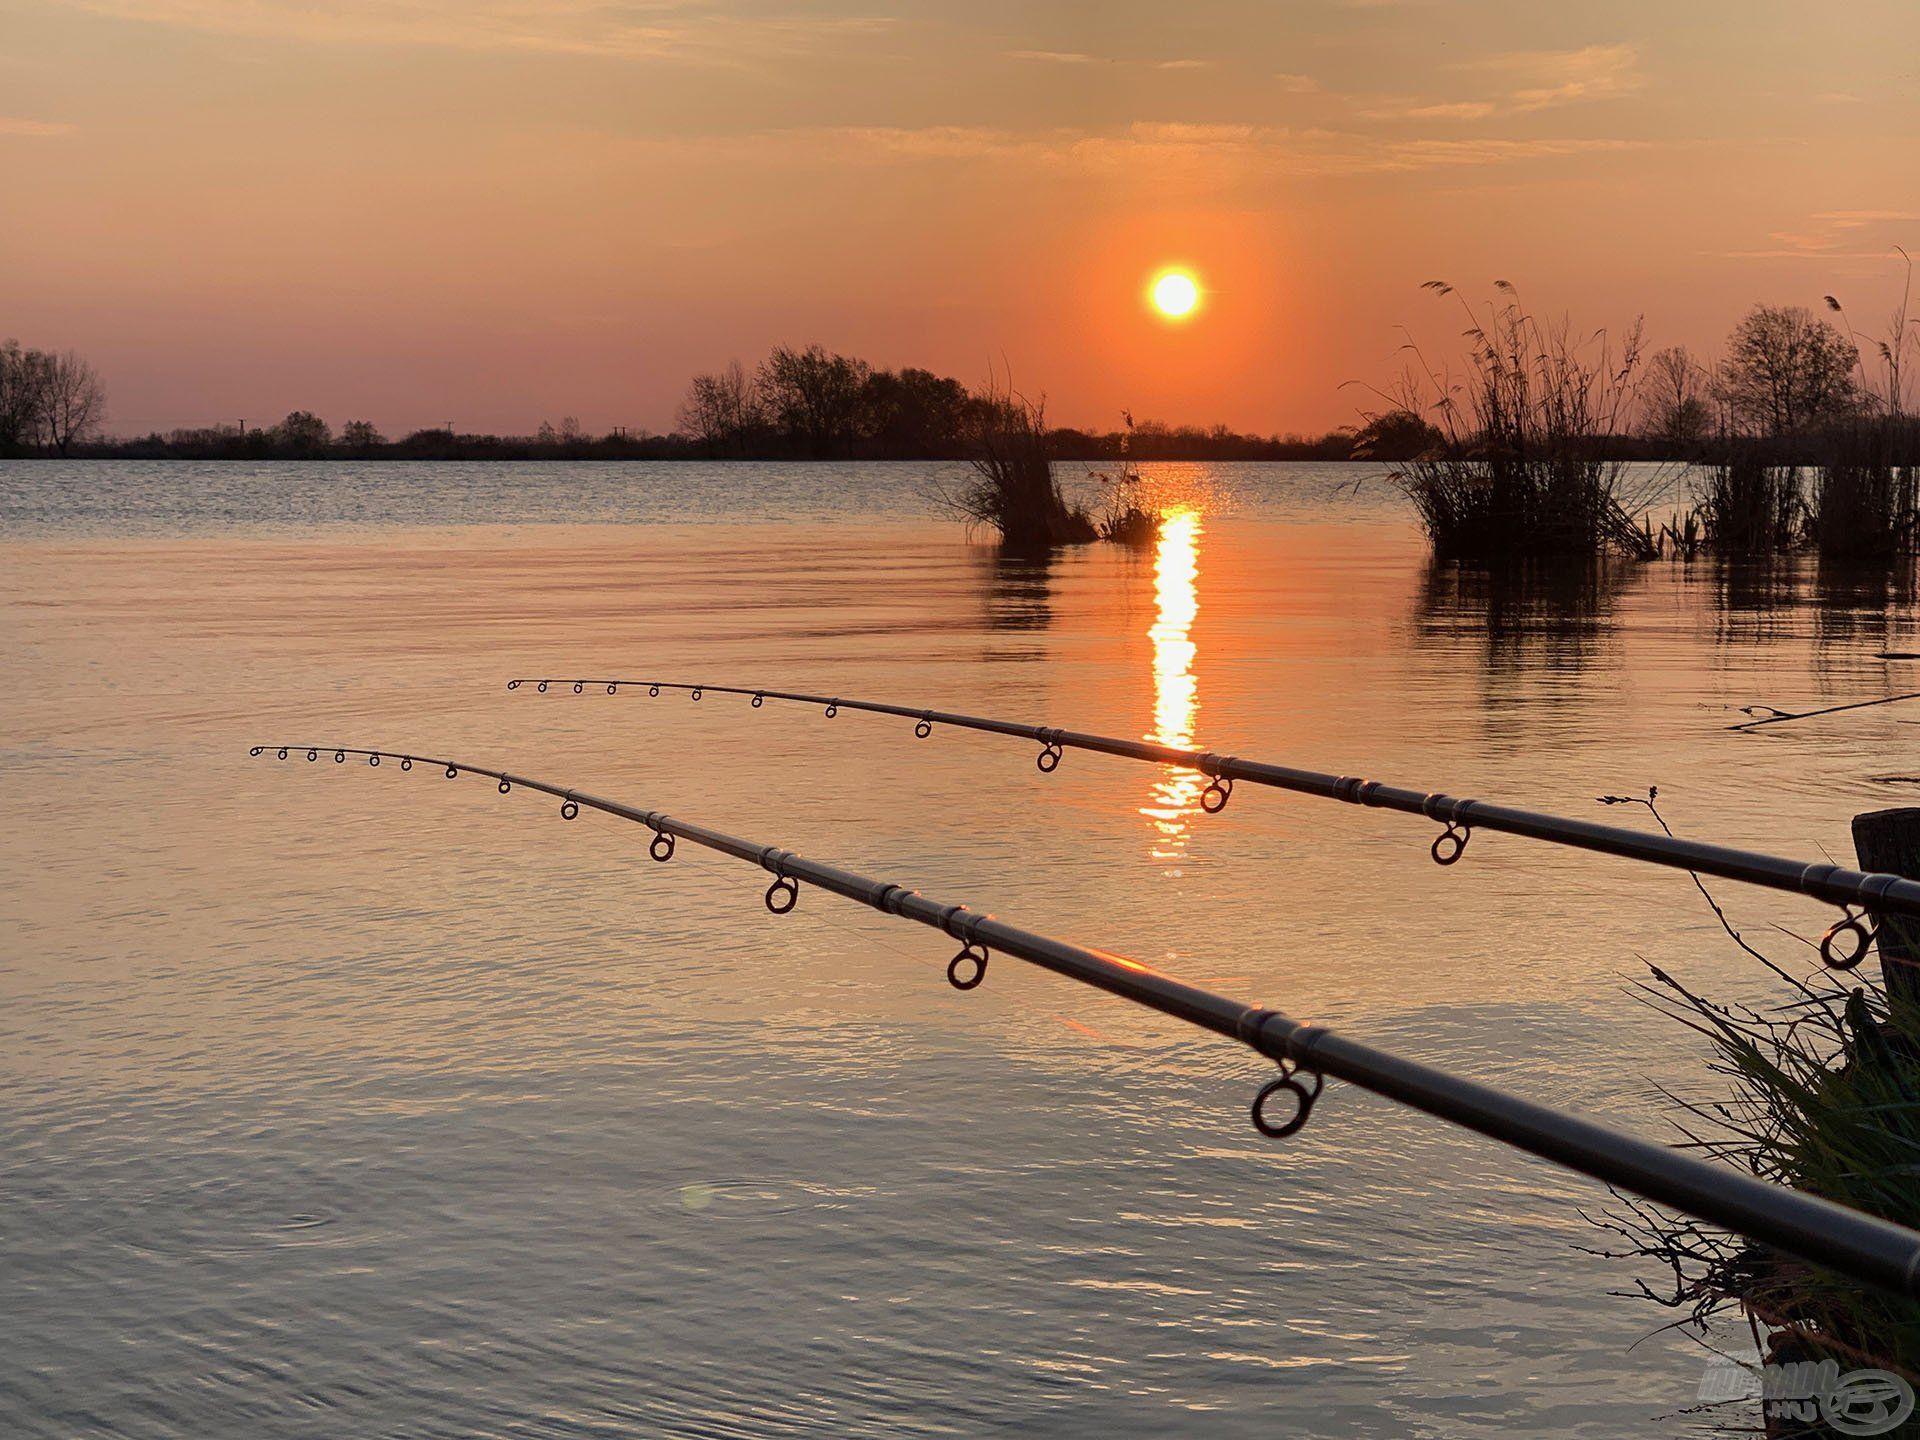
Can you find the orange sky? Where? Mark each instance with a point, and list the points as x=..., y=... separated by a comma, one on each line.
x=503, y=211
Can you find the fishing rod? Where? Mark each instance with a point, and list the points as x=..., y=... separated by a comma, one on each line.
x=1843, y=946
x=1856, y=1244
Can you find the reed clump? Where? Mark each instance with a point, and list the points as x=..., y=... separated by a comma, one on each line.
x=1822, y=1096
x=1867, y=500
x=1014, y=489
x=1521, y=468
x=1750, y=504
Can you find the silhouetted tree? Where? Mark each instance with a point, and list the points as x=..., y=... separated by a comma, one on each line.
x=1675, y=397
x=1395, y=435
x=360, y=435
x=21, y=382
x=302, y=433
x=73, y=401
x=914, y=412
x=721, y=410
x=814, y=397
x=1787, y=372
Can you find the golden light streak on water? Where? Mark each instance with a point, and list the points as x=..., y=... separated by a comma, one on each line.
x=1175, y=795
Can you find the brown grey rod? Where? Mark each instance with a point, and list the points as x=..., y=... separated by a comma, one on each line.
x=1862, y=1246
x=1843, y=946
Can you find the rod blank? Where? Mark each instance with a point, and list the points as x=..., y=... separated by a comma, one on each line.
x=1862, y=1246
x=1833, y=883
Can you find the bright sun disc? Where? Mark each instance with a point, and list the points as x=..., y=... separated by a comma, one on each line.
x=1175, y=293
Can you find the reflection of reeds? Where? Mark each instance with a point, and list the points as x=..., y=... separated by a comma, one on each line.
x=1524, y=613
x=1521, y=469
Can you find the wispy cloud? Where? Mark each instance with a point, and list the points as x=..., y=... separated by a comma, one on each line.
x=633, y=29
x=33, y=129
x=1534, y=80
x=1296, y=84
x=1839, y=235
x=1053, y=57
x=1185, y=157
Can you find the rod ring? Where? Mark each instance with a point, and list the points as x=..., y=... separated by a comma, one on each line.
x=1214, y=798
x=283, y=753
x=256, y=749
x=923, y=728
x=1449, y=845
x=1863, y=937
x=833, y=708
x=374, y=760
x=696, y=692
x=513, y=684
x=787, y=891
x=1048, y=759
x=505, y=785
x=661, y=847
x=406, y=762
x=542, y=687
x=453, y=772
x=339, y=757
x=1303, y=1099
x=612, y=689
x=653, y=690
x=973, y=954
x=569, y=808
x=578, y=687
x=758, y=699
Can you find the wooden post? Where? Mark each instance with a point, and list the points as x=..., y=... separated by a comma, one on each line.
x=1889, y=841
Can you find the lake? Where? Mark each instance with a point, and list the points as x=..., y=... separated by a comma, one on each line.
x=342, y=1101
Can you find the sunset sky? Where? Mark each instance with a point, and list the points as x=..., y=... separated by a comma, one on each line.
x=502, y=211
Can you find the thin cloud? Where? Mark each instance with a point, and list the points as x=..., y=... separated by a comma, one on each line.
x=33, y=129
x=1053, y=57
x=1168, y=155
x=1535, y=80
x=1296, y=84
x=637, y=29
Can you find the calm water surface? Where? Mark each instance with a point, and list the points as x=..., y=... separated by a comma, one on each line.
x=351, y=1102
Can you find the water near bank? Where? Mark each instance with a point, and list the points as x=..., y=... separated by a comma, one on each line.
x=346, y=1101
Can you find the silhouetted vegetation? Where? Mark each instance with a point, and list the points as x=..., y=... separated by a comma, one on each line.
x=49, y=402
x=1820, y=1100
x=1749, y=504
x=1523, y=466
x=1014, y=490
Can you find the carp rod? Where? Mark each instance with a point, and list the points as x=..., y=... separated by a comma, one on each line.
x=1843, y=946
x=1862, y=1246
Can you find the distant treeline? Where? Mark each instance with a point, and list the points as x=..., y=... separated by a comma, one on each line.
x=1785, y=375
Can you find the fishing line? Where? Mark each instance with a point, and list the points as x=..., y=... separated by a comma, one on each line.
x=1845, y=945
x=1856, y=1244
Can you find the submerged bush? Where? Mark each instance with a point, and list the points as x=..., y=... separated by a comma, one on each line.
x=1014, y=489
x=1521, y=467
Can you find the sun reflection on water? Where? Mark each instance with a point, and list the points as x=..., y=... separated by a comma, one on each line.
x=1175, y=795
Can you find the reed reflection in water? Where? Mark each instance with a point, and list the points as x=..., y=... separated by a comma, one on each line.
x=1174, y=797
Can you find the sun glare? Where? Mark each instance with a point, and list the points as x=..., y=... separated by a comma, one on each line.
x=1175, y=294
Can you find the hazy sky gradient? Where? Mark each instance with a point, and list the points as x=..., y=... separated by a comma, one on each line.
x=500, y=211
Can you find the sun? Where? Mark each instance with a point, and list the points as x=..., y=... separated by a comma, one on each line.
x=1175, y=294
